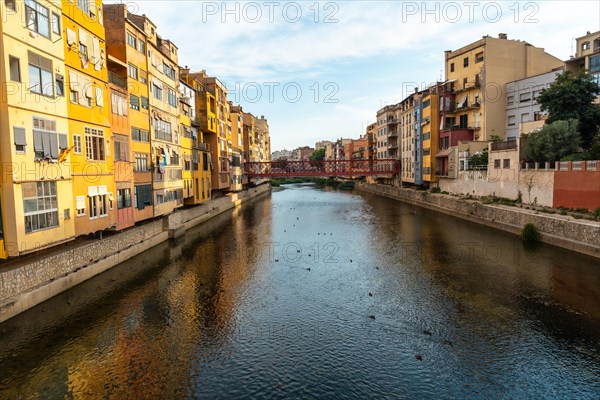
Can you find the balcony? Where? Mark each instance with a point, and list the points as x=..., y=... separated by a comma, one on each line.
x=392, y=121
x=393, y=134
x=117, y=80
x=505, y=145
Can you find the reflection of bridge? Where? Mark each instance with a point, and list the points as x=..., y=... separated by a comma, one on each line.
x=347, y=168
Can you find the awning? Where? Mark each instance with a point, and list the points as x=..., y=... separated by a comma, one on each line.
x=445, y=153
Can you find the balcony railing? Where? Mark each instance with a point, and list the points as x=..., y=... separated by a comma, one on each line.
x=505, y=145
x=117, y=80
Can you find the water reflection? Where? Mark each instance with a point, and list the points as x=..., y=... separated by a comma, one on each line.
x=317, y=293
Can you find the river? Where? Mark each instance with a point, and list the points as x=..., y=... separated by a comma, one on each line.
x=313, y=293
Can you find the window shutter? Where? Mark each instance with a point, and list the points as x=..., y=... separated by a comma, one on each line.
x=19, y=136
x=38, y=143
x=62, y=141
x=80, y=202
x=53, y=139
x=99, y=97
x=46, y=143
x=71, y=37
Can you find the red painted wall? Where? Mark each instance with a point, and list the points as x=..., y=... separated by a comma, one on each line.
x=577, y=189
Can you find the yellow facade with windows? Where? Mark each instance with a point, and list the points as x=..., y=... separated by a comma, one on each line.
x=430, y=129
x=187, y=107
x=36, y=191
x=90, y=139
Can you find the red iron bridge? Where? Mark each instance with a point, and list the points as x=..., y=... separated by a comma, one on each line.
x=347, y=168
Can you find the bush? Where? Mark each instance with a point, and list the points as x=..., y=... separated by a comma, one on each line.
x=530, y=234
x=444, y=192
x=436, y=189
x=597, y=213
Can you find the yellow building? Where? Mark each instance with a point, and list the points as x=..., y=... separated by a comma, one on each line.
x=204, y=126
x=187, y=111
x=236, y=119
x=36, y=192
x=430, y=130
x=88, y=110
x=126, y=46
x=472, y=98
x=214, y=116
x=163, y=71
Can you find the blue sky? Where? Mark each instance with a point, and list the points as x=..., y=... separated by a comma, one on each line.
x=321, y=70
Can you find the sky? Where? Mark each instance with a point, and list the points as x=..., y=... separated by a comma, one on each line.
x=320, y=70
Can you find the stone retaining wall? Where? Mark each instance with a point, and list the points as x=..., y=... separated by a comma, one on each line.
x=43, y=276
x=578, y=235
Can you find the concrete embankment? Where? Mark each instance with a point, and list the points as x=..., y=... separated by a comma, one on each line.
x=582, y=236
x=38, y=278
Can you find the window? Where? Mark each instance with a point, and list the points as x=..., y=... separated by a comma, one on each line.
x=40, y=75
x=452, y=67
x=505, y=163
x=98, y=206
x=134, y=102
x=20, y=140
x=143, y=76
x=169, y=71
x=84, y=6
x=141, y=47
x=510, y=100
x=123, y=198
x=465, y=82
x=426, y=103
x=497, y=164
x=162, y=130
x=139, y=135
x=512, y=120
x=144, y=102
x=594, y=64
x=132, y=71
x=479, y=57
x=94, y=144
x=172, y=97
x=60, y=85
x=131, y=40
x=142, y=196
x=466, y=62
x=45, y=139
x=83, y=51
x=426, y=135
x=37, y=18
x=74, y=96
x=11, y=4
x=141, y=162
x=157, y=91
x=40, y=206
x=525, y=117
x=80, y=206
x=121, y=147
x=77, y=144
x=15, y=69
x=464, y=119
x=118, y=104
x=174, y=159
x=585, y=46
x=56, y=23
x=524, y=97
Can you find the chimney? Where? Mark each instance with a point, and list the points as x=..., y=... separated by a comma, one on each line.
x=502, y=36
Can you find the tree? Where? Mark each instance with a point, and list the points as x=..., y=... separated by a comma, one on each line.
x=318, y=155
x=479, y=160
x=553, y=141
x=572, y=97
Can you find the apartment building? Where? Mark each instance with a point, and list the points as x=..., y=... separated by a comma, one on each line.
x=163, y=81
x=127, y=46
x=188, y=132
x=89, y=112
x=472, y=97
x=36, y=192
x=430, y=129
x=408, y=122
x=236, y=120
x=587, y=55
x=523, y=113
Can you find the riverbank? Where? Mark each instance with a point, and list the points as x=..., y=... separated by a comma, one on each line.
x=27, y=283
x=581, y=236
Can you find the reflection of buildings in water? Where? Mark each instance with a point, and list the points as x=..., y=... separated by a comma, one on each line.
x=577, y=286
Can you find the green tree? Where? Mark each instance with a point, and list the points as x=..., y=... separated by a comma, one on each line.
x=553, y=141
x=318, y=155
x=572, y=97
x=479, y=160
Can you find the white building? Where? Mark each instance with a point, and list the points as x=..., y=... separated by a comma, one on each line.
x=523, y=112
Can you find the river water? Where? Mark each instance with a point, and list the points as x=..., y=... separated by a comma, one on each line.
x=312, y=293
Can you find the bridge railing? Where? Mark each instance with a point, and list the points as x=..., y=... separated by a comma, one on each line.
x=322, y=168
